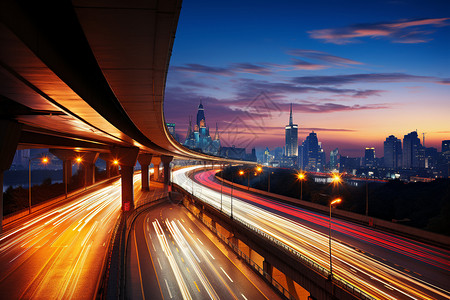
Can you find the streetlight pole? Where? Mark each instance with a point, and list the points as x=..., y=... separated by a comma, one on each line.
x=367, y=198
x=231, y=195
x=335, y=201
x=301, y=177
x=221, y=188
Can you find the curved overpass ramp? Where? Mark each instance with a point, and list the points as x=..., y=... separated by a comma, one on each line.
x=89, y=74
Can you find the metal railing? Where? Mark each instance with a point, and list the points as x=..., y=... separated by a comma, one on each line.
x=247, y=259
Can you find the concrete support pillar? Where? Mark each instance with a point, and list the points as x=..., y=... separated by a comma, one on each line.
x=9, y=138
x=166, y=163
x=108, y=168
x=67, y=156
x=156, y=161
x=144, y=160
x=88, y=163
x=267, y=268
x=111, y=168
x=127, y=159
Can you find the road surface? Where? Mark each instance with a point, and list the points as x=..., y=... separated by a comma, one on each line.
x=170, y=257
x=58, y=253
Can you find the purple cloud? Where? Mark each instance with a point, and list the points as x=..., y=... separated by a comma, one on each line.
x=251, y=68
x=324, y=57
x=197, y=68
x=356, y=78
x=304, y=65
x=405, y=31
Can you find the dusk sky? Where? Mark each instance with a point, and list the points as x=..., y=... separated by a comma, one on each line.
x=355, y=71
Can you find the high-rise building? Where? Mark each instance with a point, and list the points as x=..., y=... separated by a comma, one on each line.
x=291, y=132
x=413, y=154
x=445, y=146
x=312, y=155
x=369, y=157
x=392, y=152
x=334, y=159
x=201, y=115
x=198, y=138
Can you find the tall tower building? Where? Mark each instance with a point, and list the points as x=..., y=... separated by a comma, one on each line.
x=201, y=116
x=445, y=146
x=291, y=132
x=369, y=157
x=412, y=150
x=334, y=159
x=310, y=152
x=393, y=152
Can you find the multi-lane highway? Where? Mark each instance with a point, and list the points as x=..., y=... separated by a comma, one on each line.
x=384, y=266
x=59, y=253
x=170, y=257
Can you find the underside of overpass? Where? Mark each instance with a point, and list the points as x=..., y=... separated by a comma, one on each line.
x=88, y=77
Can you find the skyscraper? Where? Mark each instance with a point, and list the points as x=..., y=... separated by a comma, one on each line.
x=201, y=115
x=392, y=152
x=291, y=132
x=198, y=138
x=445, y=146
x=369, y=157
x=412, y=150
x=334, y=159
x=312, y=157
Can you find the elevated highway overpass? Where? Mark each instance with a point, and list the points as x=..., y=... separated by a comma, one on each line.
x=88, y=78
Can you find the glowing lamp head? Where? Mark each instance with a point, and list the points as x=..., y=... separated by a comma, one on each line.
x=241, y=172
x=115, y=162
x=78, y=159
x=258, y=169
x=336, y=178
x=301, y=176
x=45, y=160
x=336, y=201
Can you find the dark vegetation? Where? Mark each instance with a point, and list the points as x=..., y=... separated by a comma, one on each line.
x=421, y=205
x=16, y=199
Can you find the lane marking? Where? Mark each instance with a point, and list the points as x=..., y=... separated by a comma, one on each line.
x=245, y=298
x=196, y=285
x=200, y=241
x=210, y=254
x=159, y=263
x=188, y=269
x=191, y=230
x=167, y=285
x=226, y=274
x=151, y=241
x=182, y=259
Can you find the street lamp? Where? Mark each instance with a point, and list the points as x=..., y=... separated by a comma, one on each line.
x=241, y=173
x=258, y=170
x=301, y=177
x=336, y=179
x=45, y=161
x=335, y=201
x=268, y=184
x=79, y=161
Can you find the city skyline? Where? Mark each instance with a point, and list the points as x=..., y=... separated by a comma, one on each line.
x=369, y=72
